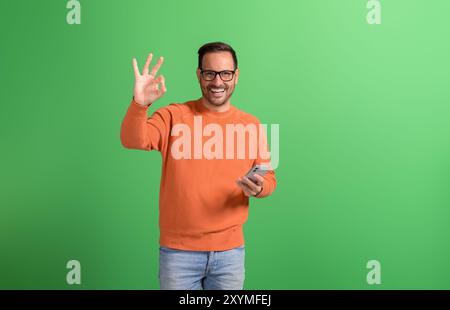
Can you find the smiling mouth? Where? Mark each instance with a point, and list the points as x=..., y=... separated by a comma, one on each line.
x=217, y=91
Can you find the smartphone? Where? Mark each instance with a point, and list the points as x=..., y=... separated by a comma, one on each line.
x=257, y=169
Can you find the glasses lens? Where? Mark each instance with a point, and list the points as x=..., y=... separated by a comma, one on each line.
x=226, y=75
x=208, y=75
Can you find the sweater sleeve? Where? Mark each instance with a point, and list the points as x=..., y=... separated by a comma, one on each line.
x=142, y=133
x=263, y=158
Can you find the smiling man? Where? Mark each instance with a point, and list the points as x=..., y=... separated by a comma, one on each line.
x=203, y=202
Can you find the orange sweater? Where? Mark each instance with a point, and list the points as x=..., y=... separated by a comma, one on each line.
x=201, y=208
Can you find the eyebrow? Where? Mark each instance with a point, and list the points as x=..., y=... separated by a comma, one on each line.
x=216, y=71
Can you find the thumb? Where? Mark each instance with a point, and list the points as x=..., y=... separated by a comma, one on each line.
x=162, y=82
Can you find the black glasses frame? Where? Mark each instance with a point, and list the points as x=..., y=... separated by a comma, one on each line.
x=218, y=73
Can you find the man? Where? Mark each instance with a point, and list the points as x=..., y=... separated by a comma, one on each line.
x=204, y=194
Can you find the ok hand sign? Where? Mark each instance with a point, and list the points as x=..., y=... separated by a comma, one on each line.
x=147, y=87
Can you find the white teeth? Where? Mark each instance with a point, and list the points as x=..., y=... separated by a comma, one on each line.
x=217, y=90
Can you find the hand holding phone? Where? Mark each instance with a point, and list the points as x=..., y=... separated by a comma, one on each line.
x=250, y=185
x=257, y=169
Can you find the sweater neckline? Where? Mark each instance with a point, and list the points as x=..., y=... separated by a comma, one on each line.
x=199, y=107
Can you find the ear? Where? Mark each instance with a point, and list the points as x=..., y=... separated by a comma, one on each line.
x=198, y=74
x=236, y=76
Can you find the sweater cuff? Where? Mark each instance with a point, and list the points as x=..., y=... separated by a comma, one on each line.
x=266, y=190
x=133, y=102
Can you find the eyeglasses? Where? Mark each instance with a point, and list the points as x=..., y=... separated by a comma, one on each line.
x=209, y=75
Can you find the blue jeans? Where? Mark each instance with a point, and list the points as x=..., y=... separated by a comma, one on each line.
x=196, y=270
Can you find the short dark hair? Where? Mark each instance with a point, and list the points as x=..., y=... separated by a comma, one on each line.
x=216, y=47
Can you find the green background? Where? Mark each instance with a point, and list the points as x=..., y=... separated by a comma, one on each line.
x=364, y=139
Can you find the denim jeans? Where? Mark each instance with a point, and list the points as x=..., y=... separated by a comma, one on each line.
x=196, y=270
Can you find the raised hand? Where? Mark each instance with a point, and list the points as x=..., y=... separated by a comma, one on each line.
x=147, y=87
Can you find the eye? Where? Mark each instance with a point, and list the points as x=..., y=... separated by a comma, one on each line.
x=209, y=74
x=227, y=74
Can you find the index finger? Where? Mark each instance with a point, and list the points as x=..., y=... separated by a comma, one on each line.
x=259, y=178
x=251, y=184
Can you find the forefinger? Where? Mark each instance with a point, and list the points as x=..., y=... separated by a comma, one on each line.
x=259, y=179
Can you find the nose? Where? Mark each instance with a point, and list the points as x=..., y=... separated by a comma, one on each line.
x=217, y=80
